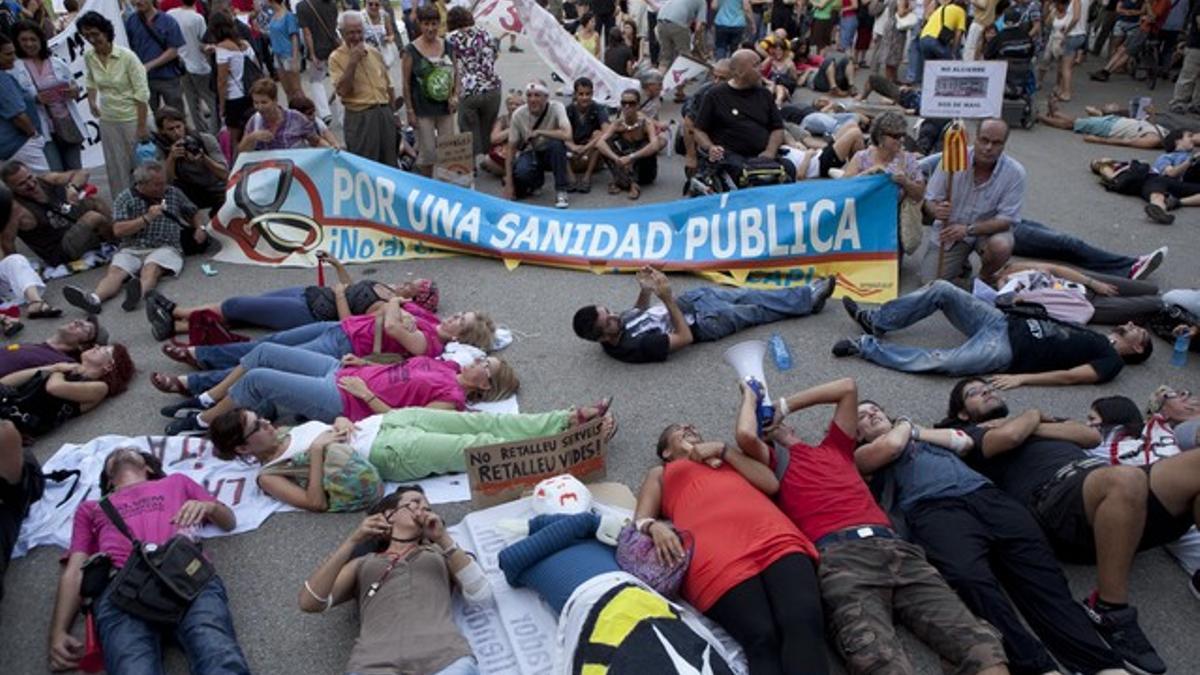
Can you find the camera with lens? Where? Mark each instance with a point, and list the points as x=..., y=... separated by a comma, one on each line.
x=192, y=146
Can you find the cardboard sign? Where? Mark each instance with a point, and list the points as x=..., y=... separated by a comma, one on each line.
x=504, y=471
x=963, y=89
x=455, y=160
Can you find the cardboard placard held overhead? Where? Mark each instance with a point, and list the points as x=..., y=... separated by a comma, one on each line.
x=963, y=89
x=455, y=160
x=504, y=471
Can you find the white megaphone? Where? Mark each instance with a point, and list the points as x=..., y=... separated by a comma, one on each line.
x=747, y=359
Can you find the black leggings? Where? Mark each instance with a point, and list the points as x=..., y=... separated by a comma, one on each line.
x=776, y=618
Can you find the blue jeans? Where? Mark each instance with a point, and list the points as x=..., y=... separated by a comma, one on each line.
x=206, y=635
x=325, y=337
x=987, y=349
x=916, y=64
x=300, y=381
x=529, y=169
x=848, y=32
x=720, y=312
x=1035, y=240
x=277, y=310
x=931, y=49
x=726, y=40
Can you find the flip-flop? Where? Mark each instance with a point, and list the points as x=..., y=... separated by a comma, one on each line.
x=43, y=311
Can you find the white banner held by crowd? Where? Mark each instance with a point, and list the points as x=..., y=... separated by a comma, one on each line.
x=69, y=46
x=566, y=57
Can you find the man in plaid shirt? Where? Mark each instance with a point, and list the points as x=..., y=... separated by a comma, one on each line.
x=150, y=217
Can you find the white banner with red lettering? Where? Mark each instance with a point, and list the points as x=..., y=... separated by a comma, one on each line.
x=682, y=71
x=69, y=46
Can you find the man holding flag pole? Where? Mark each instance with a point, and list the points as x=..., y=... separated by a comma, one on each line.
x=974, y=197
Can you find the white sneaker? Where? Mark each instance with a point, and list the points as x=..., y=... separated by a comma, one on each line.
x=1146, y=264
x=560, y=201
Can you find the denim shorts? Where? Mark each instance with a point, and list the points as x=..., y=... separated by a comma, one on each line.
x=1095, y=126
x=1074, y=43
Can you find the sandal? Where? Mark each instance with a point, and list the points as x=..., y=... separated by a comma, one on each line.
x=584, y=414
x=11, y=326
x=634, y=192
x=181, y=354
x=613, y=188
x=168, y=384
x=613, y=430
x=43, y=311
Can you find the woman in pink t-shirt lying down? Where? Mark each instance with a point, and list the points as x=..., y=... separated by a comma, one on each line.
x=321, y=387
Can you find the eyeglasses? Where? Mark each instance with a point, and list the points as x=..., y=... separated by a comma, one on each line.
x=259, y=425
x=629, y=102
x=1176, y=394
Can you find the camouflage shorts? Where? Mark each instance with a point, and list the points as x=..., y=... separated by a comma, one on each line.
x=864, y=583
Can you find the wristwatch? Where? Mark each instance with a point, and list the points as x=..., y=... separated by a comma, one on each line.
x=971, y=230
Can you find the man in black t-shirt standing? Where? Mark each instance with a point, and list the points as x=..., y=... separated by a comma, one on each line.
x=1034, y=351
x=645, y=334
x=738, y=119
x=1090, y=511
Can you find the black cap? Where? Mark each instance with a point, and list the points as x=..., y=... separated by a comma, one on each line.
x=101, y=335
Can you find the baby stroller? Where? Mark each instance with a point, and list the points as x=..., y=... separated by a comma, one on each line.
x=1019, y=84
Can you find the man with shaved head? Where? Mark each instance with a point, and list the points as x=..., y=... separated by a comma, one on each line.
x=738, y=119
x=987, y=200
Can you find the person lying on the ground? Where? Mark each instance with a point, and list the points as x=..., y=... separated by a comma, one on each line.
x=296, y=305
x=41, y=399
x=988, y=198
x=21, y=484
x=817, y=163
x=1108, y=125
x=907, y=97
x=1026, y=349
x=151, y=218
x=402, y=445
x=402, y=330
x=1034, y=240
x=323, y=388
x=985, y=543
x=869, y=577
x=752, y=571
x=51, y=215
x=405, y=616
x=19, y=283
x=64, y=346
x=1174, y=178
x=1074, y=297
x=630, y=145
x=154, y=507
x=1091, y=512
x=646, y=334
x=1129, y=440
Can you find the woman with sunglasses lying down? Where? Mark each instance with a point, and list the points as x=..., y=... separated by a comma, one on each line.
x=320, y=387
x=308, y=466
x=404, y=589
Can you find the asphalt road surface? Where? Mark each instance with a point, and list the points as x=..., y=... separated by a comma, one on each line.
x=263, y=570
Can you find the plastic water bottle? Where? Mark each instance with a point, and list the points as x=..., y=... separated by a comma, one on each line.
x=779, y=352
x=672, y=130
x=1179, y=356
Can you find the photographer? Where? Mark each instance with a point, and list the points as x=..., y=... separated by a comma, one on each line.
x=193, y=160
x=153, y=220
x=405, y=621
x=155, y=508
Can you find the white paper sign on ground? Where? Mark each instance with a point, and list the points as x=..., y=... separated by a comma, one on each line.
x=963, y=89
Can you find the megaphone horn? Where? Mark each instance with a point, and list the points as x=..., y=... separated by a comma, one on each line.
x=747, y=359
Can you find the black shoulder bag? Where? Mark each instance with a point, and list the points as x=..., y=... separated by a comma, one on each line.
x=158, y=583
x=162, y=44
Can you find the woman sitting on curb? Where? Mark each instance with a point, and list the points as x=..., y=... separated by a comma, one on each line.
x=296, y=305
x=323, y=388
x=402, y=445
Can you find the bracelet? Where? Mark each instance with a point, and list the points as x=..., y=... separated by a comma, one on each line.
x=368, y=401
x=327, y=601
x=783, y=407
x=643, y=524
x=447, y=552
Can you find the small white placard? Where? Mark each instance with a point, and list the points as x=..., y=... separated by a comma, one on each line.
x=966, y=89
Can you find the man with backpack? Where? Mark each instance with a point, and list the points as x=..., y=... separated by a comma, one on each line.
x=156, y=39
